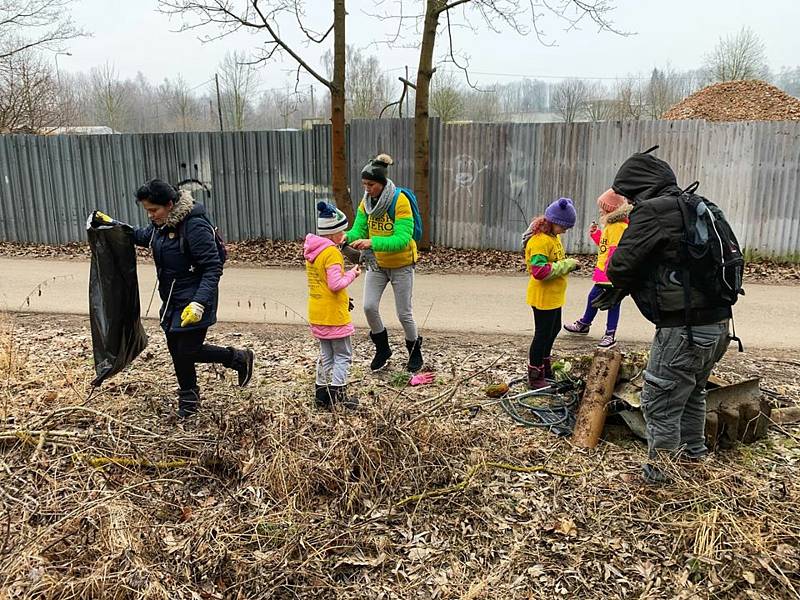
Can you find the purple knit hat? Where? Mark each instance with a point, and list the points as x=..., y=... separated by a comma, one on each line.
x=561, y=212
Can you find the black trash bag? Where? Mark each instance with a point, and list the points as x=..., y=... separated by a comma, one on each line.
x=117, y=333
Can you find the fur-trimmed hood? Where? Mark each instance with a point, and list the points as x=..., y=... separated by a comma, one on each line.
x=182, y=209
x=618, y=215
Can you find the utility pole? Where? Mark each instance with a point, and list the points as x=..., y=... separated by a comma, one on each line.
x=407, y=94
x=219, y=104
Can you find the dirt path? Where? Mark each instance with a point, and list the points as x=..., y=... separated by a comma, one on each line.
x=765, y=318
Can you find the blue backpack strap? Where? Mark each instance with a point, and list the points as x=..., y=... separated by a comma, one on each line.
x=393, y=206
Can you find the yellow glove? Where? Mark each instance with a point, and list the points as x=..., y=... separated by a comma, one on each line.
x=192, y=314
x=98, y=219
x=101, y=216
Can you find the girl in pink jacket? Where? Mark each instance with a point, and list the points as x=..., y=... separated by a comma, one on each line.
x=329, y=306
x=614, y=211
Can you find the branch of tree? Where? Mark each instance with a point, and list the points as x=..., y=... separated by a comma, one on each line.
x=279, y=41
x=308, y=33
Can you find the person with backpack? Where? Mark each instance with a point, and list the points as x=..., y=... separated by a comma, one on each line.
x=678, y=292
x=189, y=257
x=387, y=223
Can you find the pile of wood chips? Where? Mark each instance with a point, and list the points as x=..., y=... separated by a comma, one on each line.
x=737, y=101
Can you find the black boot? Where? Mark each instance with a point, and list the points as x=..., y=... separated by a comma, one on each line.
x=340, y=398
x=242, y=363
x=382, y=350
x=415, y=361
x=322, y=396
x=188, y=402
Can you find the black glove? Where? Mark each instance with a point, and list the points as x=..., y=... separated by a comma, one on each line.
x=350, y=305
x=608, y=298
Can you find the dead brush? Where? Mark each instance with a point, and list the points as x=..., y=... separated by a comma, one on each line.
x=262, y=496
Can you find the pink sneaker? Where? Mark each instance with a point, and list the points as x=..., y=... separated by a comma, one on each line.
x=578, y=328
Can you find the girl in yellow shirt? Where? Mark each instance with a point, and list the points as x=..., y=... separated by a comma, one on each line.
x=614, y=210
x=547, y=287
x=328, y=306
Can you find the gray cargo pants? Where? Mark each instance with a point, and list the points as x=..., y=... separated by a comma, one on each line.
x=674, y=392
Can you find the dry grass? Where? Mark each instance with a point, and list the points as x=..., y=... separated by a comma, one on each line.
x=417, y=495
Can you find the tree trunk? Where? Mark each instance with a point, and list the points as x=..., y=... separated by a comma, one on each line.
x=341, y=191
x=600, y=385
x=422, y=141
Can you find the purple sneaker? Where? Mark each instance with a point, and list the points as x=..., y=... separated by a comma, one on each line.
x=578, y=328
x=607, y=341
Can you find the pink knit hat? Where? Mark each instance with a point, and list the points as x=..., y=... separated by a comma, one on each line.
x=609, y=201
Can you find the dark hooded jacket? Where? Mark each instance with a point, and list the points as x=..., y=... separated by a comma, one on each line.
x=188, y=274
x=648, y=260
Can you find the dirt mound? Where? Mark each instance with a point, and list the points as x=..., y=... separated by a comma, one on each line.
x=737, y=101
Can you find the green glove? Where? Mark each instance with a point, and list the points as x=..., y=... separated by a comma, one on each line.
x=562, y=267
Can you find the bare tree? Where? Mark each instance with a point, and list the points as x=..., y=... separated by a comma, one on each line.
x=738, y=56
x=497, y=15
x=109, y=96
x=524, y=96
x=286, y=103
x=26, y=24
x=663, y=91
x=367, y=87
x=29, y=94
x=447, y=98
x=568, y=99
x=598, y=106
x=183, y=109
x=482, y=105
x=629, y=100
x=238, y=81
x=788, y=80
x=265, y=17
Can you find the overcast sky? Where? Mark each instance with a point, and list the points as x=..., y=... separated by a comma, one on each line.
x=134, y=36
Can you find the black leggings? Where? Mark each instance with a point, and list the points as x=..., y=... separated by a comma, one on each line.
x=187, y=349
x=547, y=324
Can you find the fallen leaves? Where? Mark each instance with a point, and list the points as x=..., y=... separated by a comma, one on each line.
x=276, y=499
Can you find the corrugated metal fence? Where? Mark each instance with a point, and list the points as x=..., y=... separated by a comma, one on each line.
x=487, y=180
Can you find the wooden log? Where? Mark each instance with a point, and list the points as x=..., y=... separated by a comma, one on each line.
x=786, y=415
x=600, y=383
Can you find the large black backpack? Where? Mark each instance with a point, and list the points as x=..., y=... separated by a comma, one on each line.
x=713, y=259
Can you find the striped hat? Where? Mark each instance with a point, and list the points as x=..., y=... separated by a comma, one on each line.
x=330, y=219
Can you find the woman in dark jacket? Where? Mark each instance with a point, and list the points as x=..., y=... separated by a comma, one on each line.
x=188, y=268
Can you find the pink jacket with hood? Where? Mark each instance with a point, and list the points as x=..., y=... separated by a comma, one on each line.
x=336, y=278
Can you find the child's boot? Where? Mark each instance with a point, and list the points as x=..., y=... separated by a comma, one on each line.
x=578, y=327
x=536, y=378
x=382, y=350
x=322, y=396
x=608, y=340
x=339, y=397
x=547, y=366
